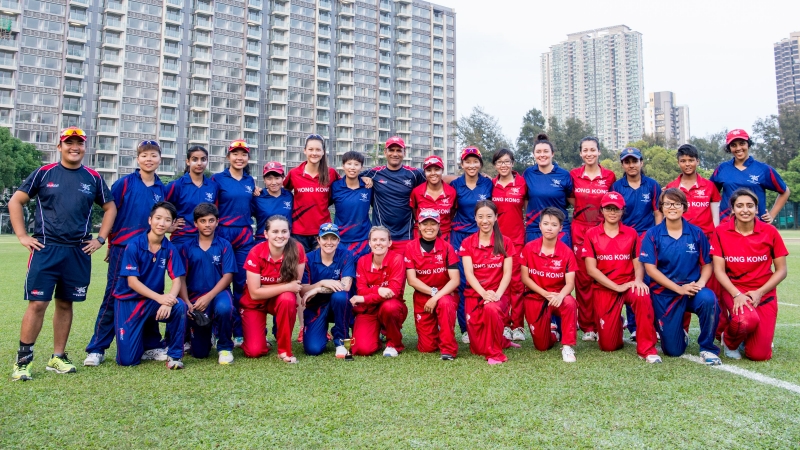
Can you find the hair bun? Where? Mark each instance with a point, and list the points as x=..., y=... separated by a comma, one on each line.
x=541, y=137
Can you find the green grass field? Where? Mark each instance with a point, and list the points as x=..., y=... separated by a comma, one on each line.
x=414, y=401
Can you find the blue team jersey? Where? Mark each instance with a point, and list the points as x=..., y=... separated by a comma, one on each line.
x=343, y=265
x=352, y=210
x=466, y=199
x=185, y=195
x=63, y=213
x=265, y=206
x=756, y=176
x=134, y=200
x=545, y=190
x=680, y=259
x=204, y=268
x=139, y=261
x=391, y=193
x=640, y=204
x=234, y=199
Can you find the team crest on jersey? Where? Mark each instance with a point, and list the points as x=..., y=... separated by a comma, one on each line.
x=215, y=258
x=646, y=197
x=80, y=291
x=514, y=191
x=248, y=189
x=156, y=197
x=691, y=248
x=336, y=272
x=86, y=188
x=162, y=263
x=250, y=263
x=700, y=193
x=557, y=263
x=482, y=197
x=445, y=201
x=601, y=182
x=382, y=181
x=405, y=258
x=209, y=197
x=556, y=183
x=52, y=185
x=364, y=197
x=439, y=259
x=754, y=179
x=407, y=182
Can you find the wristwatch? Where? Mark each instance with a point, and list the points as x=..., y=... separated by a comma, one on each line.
x=101, y=240
x=434, y=291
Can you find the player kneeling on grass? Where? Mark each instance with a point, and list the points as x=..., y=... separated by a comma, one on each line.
x=379, y=305
x=611, y=252
x=548, y=271
x=745, y=249
x=210, y=264
x=432, y=270
x=139, y=293
x=675, y=256
x=326, y=281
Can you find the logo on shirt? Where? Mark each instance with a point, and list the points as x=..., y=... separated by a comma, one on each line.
x=336, y=272
x=646, y=197
x=130, y=267
x=209, y=197
x=419, y=317
x=162, y=263
x=690, y=248
x=482, y=197
x=287, y=205
x=382, y=181
x=445, y=201
x=37, y=292
x=407, y=182
x=250, y=263
x=700, y=193
x=248, y=189
x=80, y=291
x=601, y=182
x=86, y=188
x=215, y=259
x=439, y=259
x=364, y=197
x=556, y=183
x=514, y=191
x=557, y=263
x=156, y=197
x=614, y=196
x=405, y=258
x=51, y=185
x=754, y=179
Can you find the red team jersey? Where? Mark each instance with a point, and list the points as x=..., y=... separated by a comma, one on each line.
x=431, y=267
x=614, y=255
x=311, y=200
x=260, y=261
x=486, y=266
x=588, y=193
x=391, y=274
x=510, y=200
x=444, y=204
x=748, y=259
x=548, y=271
x=700, y=197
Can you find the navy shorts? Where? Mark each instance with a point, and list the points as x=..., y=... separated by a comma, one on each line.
x=65, y=270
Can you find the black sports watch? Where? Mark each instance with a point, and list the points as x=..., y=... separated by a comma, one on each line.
x=101, y=240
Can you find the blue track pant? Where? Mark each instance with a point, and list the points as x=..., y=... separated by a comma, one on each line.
x=669, y=311
x=320, y=311
x=130, y=318
x=220, y=311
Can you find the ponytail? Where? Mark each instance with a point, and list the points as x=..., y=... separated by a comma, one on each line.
x=499, y=247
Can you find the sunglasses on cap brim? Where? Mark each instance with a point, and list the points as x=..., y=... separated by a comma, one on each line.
x=73, y=132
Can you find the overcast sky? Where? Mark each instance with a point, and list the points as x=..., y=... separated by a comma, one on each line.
x=716, y=56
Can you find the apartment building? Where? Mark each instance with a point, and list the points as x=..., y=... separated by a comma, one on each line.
x=664, y=118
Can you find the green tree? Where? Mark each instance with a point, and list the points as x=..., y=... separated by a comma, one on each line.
x=17, y=160
x=776, y=138
x=711, y=150
x=791, y=176
x=532, y=125
x=660, y=163
x=480, y=129
x=566, y=137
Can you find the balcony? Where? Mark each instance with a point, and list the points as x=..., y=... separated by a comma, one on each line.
x=171, y=66
x=170, y=83
x=251, y=94
x=201, y=72
x=259, y=4
x=254, y=32
x=346, y=9
x=254, y=47
x=110, y=93
x=108, y=129
x=77, y=34
x=279, y=53
x=199, y=103
x=173, y=16
x=254, y=79
x=324, y=31
x=344, y=77
x=106, y=148
x=251, y=125
x=169, y=117
x=346, y=22
x=10, y=6
x=113, y=77
x=280, y=8
x=278, y=128
x=254, y=63
x=108, y=111
x=204, y=7
x=346, y=64
x=105, y=164
x=112, y=41
x=203, y=22
x=114, y=6
x=323, y=102
x=77, y=15
x=252, y=110
x=10, y=43
x=169, y=99
x=254, y=16
x=172, y=33
x=324, y=45
x=176, y=3
x=71, y=107
x=76, y=52
x=201, y=55
x=326, y=4
x=168, y=134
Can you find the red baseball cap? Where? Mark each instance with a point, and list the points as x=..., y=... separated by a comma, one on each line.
x=273, y=167
x=736, y=134
x=613, y=199
x=433, y=160
x=395, y=140
x=239, y=144
x=471, y=151
x=432, y=214
x=67, y=133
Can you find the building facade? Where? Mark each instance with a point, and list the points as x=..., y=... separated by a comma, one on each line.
x=597, y=76
x=665, y=119
x=205, y=72
x=787, y=69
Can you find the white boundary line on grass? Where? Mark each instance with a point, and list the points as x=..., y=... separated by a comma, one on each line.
x=748, y=374
x=788, y=304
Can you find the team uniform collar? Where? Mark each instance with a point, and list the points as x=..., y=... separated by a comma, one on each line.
x=662, y=228
x=477, y=243
x=187, y=179
x=622, y=230
x=514, y=179
x=438, y=247
x=302, y=169
x=555, y=168
x=586, y=177
x=156, y=180
x=384, y=263
x=642, y=182
x=537, y=248
x=730, y=226
x=747, y=162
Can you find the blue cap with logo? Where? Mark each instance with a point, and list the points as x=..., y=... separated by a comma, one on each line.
x=630, y=151
x=328, y=228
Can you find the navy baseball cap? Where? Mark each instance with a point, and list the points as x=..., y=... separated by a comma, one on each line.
x=328, y=228
x=630, y=151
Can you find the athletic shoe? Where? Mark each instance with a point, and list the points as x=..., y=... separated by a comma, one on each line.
x=589, y=336
x=225, y=357
x=390, y=352
x=21, y=373
x=507, y=333
x=61, y=364
x=341, y=352
x=155, y=354
x=174, y=363
x=518, y=334
x=187, y=347
x=465, y=338
x=710, y=359
x=568, y=354
x=446, y=357
x=94, y=359
x=732, y=354
x=653, y=359
x=633, y=337
x=237, y=342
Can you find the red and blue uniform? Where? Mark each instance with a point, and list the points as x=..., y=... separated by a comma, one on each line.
x=680, y=260
x=444, y=204
x=510, y=201
x=323, y=309
x=132, y=310
x=266, y=205
x=748, y=264
x=700, y=197
x=185, y=196
x=756, y=176
x=546, y=190
x=134, y=200
x=204, y=269
x=391, y=191
x=352, y=216
x=311, y=201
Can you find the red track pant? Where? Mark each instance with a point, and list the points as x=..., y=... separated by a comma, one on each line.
x=608, y=310
x=516, y=289
x=485, y=322
x=755, y=328
x=388, y=315
x=583, y=282
x=538, y=313
x=436, y=330
x=254, y=322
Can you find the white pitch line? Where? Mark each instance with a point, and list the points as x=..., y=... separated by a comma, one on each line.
x=788, y=304
x=748, y=374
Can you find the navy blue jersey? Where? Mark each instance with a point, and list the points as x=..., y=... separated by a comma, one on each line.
x=391, y=193
x=139, y=261
x=64, y=202
x=343, y=265
x=204, y=268
x=134, y=201
x=756, y=176
x=546, y=190
x=680, y=259
x=234, y=199
x=352, y=210
x=466, y=199
x=640, y=204
x=265, y=206
x=185, y=195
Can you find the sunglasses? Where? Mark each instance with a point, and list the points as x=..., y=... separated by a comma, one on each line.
x=238, y=145
x=69, y=132
x=154, y=143
x=427, y=214
x=470, y=151
x=329, y=227
x=314, y=136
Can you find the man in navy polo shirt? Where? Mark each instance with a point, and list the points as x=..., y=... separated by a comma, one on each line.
x=61, y=245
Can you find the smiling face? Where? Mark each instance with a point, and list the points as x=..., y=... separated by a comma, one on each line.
x=394, y=156
x=590, y=154
x=273, y=182
x=160, y=221
x=504, y=165
x=379, y=242
x=550, y=226
x=688, y=165
x=611, y=214
x=485, y=219
x=148, y=160
x=672, y=208
x=352, y=168
x=206, y=225
x=197, y=162
x=238, y=159
x=740, y=149
x=328, y=243
x=434, y=175
x=72, y=151
x=428, y=229
x=744, y=208
x=314, y=151
x=632, y=166
x=543, y=155
x=471, y=165
x=277, y=233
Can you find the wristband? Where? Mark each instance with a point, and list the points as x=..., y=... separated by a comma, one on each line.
x=738, y=294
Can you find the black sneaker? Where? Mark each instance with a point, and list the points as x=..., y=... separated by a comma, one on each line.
x=446, y=357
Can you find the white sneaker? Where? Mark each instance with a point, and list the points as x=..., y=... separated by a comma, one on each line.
x=225, y=357
x=589, y=336
x=732, y=354
x=390, y=352
x=237, y=342
x=155, y=354
x=94, y=359
x=187, y=347
x=341, y=352
x=633, y=337
x=568, y=354
x=710, y=359
x=507, y=333
x=653, y=359
x=518, y=334
x=465, y=338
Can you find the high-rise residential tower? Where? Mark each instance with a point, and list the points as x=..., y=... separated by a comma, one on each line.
x=596, y=76
x=787, y=69
x=205, y=72
x=664, y=118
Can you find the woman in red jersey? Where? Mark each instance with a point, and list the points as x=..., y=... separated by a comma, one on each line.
x=435, y=195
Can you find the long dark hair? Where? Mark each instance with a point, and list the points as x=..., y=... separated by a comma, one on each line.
x=291, y=256
x=192, y=149
x=324, y=176
x=499, y=248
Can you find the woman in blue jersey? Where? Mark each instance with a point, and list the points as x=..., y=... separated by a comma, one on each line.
x=548, y=186
x=188, y=191
x=274, y=200
x=236, y=188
